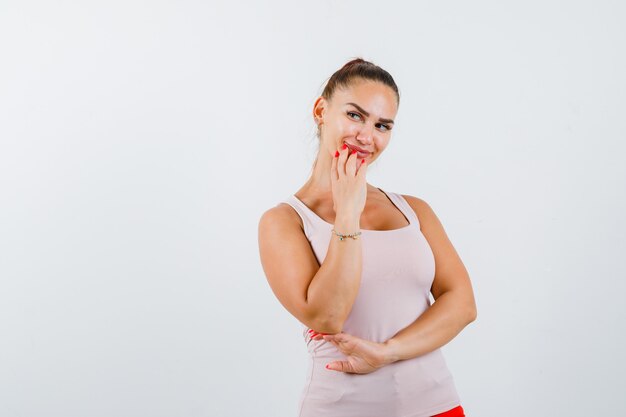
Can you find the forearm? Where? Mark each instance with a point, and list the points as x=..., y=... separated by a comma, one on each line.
x=439, y=324
x=334, y=288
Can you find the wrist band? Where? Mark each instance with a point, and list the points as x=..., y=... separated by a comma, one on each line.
x=341, y=237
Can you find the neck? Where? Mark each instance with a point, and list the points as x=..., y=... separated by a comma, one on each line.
x=319, y=181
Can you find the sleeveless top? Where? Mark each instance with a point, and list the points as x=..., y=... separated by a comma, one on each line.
x=397, y=274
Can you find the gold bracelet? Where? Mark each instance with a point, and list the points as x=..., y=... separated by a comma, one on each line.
x=341, y=237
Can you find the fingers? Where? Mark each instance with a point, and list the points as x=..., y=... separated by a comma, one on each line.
x=340, y=337
x=341, y=366
x=344, y=164
x=351, y=164
x=315, y=335
x=341, y=162
x=362, y=168
x=334, y=175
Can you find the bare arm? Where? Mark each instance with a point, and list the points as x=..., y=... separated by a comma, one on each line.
x=319, y=296
x=334, y=287
x=454, y=306
x=433, y=329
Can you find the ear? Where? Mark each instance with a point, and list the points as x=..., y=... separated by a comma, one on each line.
x=319, y=108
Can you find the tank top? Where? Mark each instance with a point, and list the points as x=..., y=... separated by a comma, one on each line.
x=397, y=274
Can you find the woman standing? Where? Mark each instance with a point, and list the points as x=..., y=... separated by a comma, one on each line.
x=355, y=265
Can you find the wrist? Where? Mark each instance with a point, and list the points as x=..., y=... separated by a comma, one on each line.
x=347, y=225
x=391, y=351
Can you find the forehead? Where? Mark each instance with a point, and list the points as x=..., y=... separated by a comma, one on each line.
x=373, y=96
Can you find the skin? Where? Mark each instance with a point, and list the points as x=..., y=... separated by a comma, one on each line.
x=337, y=127
x=454, y=305
x=339, y=123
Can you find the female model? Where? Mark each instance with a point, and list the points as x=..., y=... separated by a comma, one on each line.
x=355, y=265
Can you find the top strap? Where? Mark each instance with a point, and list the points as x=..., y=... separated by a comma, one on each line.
x=404, y=206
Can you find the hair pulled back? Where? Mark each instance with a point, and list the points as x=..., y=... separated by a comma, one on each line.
x=354, y=70
x=358, y=68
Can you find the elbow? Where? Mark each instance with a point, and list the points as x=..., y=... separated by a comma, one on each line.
x=330, y=329
x=328, y=325
x=333, y=328
x=472, y=314
x=327, y=320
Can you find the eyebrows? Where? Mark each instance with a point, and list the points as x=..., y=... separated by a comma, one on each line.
x=362, y=110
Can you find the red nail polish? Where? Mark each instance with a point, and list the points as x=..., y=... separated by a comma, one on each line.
x=327, y=367
x=344, y=146
x=362, y=160
x=336, y=154
x=353, y=152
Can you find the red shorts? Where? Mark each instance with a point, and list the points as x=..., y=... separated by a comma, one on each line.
x=455, y=412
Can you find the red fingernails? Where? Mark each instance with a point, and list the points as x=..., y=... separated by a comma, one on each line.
x=343, y=146
x=336, y=154
x=353, y=152
x=362, y=160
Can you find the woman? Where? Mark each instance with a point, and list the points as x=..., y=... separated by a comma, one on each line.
x=355, y=265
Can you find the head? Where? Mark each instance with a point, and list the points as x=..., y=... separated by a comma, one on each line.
x=357, y=107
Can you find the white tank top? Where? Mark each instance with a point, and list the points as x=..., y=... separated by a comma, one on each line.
x=397, y=274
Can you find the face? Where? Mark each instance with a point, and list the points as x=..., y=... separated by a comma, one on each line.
x=360, y=116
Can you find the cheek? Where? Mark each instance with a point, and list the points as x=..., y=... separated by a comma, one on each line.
x=382, y=145
x=349, y=129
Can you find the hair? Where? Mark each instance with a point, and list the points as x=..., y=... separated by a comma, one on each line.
x=355, y=70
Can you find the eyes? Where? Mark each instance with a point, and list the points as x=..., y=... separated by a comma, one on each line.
x=350, y=113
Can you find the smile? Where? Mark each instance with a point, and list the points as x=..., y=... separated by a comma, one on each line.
x=361, y=152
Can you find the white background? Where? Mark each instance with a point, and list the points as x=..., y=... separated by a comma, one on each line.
x=142, y=140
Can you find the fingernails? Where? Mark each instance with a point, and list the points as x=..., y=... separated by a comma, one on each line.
x=362, y=160
x=353, y=152
x=336, y=154
x=343, y=146
x=327, y=367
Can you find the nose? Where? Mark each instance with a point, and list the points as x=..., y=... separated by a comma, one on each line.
x=365, y=135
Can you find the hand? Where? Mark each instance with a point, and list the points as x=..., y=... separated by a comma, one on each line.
x=349, y=189
x=364, y=356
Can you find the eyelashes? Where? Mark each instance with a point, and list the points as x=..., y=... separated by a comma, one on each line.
x=350, y=113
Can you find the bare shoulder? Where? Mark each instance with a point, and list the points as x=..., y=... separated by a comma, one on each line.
x=288, y=260
x=421, y=208
x=281, y=215
x=430, y=224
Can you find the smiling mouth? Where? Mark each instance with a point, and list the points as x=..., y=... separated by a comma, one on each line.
x=364, y=153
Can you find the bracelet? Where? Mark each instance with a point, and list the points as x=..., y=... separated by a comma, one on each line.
x=341, y=237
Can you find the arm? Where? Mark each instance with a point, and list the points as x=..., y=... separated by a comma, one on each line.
x=319, y=296
x=334, y=287
x=454, y=306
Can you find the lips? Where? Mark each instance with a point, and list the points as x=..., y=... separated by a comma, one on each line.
x=356, y=148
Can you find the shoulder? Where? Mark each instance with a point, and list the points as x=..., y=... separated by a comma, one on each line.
x=421, y=208
x=281, y=215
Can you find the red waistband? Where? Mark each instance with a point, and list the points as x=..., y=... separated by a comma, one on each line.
x=455, y=412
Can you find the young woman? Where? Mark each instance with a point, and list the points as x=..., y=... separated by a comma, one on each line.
x=355, y=265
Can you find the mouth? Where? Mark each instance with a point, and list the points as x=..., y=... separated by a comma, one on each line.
x=360, y=152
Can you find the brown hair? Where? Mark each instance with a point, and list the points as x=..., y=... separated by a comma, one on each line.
x=358, y=68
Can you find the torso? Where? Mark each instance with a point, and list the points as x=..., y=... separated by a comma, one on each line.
x=379, y=212
x=396, y=277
